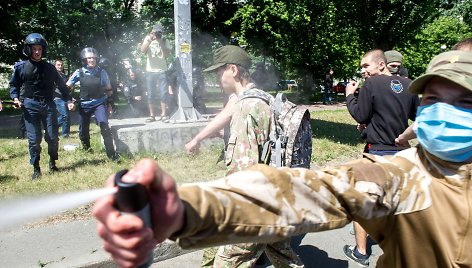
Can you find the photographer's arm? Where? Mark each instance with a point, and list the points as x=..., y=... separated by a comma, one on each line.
x=147, y=40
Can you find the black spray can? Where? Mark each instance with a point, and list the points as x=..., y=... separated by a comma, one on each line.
x=133, y=198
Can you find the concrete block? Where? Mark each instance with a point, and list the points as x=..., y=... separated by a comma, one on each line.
x=133, y=135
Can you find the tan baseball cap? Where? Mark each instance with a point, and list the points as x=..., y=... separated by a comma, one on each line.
x=455, y=66
x=230, y=54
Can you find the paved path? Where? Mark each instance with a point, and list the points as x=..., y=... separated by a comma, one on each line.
x=320, y=250
x=76, y=244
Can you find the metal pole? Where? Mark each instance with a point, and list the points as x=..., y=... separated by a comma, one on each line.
x=183, y=51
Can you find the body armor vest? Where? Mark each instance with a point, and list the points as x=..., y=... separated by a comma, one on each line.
x=91, y=86
x=35, y=81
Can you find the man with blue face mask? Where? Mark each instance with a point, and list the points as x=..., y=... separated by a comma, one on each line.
x=417, y=204
x=408, y=134
x=443, y=125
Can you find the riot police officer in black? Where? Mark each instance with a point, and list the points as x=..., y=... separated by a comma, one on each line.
x=37, y=80
x=135, y=93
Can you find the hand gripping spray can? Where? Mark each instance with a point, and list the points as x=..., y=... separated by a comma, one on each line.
x=133, y=198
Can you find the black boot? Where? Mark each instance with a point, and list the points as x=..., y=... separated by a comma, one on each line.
x=36, y=173
x=86, y=145
x=115, y=157
x=21, y=135
x=108, y=141
x=52, y=166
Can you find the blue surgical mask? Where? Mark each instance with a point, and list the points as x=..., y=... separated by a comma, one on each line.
x=445, y=131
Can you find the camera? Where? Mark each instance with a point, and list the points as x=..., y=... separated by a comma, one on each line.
x=158, y=35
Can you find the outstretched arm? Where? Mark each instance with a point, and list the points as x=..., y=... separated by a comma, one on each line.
x=408, y=134
x=218, y=123
x=262, y=204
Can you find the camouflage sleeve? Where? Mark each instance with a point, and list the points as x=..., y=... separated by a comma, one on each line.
x=249, y=130
x=265, y=204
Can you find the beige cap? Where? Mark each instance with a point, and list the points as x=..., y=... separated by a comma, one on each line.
x=455, y=66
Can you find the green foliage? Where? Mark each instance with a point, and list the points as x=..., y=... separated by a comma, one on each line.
x=299, y=39
x=307, y=37
x=444, y=31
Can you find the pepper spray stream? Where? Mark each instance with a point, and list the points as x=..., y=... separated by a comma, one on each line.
x=133, y=198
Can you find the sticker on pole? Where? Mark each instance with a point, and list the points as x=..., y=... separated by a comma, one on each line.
x=185, y=48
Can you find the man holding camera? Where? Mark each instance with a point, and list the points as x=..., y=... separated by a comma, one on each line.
x=157, y=50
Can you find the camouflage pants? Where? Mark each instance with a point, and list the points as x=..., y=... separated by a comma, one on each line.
x=280, y=255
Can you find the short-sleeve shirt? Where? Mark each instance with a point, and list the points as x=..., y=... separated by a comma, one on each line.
x=156, y=61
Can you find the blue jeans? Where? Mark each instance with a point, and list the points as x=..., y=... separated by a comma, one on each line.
x=327, y=96
x=63, y=118
x=39, y=113
x=383, y=152
x=154, y=82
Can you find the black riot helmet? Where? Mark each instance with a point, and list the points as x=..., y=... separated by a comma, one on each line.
x=87, y=53
x=104, y=63
x=34, y=39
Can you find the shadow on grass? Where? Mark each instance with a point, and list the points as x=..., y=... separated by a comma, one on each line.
x=12, y=155
x=83, y=162
x=337, y=132
x=6, y=178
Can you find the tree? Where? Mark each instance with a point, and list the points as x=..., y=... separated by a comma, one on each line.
x=444, y=31
x=302, y=38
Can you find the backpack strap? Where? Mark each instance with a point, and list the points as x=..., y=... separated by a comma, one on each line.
x=280, y=98
x=269, y=143
x=256, y=93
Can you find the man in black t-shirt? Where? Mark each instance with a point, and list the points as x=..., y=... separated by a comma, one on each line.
x=384, y=105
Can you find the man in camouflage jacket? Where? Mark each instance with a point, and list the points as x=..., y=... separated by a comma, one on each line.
x=416, y=204
x=249, y=129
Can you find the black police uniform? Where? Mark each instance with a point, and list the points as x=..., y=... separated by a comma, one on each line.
x=37, y=81
x=135, y=88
